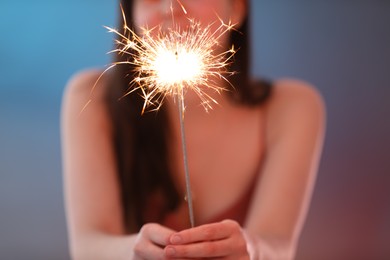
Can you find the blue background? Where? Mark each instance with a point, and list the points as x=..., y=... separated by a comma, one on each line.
x=342, y=47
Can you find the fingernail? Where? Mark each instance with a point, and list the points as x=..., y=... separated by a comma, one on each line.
x=171, y=251
x=175, y=239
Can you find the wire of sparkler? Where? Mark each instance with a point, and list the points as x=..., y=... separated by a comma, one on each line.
x=185, y=161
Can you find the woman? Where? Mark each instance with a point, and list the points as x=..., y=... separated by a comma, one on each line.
x=252, y=159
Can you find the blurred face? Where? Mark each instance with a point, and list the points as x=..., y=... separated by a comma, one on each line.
x=151, y=13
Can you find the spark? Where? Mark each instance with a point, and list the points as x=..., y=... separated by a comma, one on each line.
x=174, y=60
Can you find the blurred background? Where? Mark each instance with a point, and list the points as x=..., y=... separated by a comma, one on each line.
x=342, y=47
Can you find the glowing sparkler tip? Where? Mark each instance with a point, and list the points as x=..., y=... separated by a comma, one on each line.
x=177, y=66
x=174, y=60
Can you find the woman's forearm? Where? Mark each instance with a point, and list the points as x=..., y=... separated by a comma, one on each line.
x=101, y=246
x=263, y=249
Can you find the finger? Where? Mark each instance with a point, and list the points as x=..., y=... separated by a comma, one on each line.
x=219, y=248
x=148, y=251
x=156, y=233
x=208, y=232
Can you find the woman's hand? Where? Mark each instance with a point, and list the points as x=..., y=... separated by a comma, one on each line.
x=223, y=240
x=151, y=241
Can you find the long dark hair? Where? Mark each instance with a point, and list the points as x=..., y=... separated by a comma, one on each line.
x=141, y=141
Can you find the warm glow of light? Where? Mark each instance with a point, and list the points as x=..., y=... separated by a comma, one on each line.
x=175, y=67
x=172, y=61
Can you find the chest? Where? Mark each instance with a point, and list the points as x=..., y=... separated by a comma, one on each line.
x=224, y=157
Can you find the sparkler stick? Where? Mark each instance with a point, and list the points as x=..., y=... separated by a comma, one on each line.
x=172, y=61
x=185, y=161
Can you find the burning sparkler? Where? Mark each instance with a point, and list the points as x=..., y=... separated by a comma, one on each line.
x=173, y=61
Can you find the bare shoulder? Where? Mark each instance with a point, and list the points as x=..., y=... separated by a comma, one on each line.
x=83, y=98
x=85, y=83
x=290, y=92
x=294, y=102
x=84, y=87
